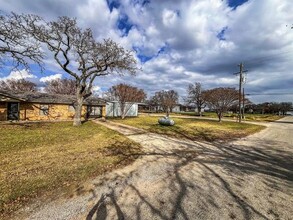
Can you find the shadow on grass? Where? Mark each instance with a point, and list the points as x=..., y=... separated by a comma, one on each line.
x=282, y=122
x=198, y=134
x=273, y=167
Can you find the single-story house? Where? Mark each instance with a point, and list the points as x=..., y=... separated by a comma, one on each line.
x=35, y=106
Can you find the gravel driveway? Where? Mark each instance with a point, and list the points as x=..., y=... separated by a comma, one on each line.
x=250, y=178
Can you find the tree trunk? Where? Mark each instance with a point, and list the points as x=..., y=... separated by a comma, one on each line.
x=199, y=110
x=78, y=110
x=122, y=114
x=219, y=116
x=122, y=109
x=167, y=113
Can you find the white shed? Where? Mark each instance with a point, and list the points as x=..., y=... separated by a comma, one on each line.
x=113, y=109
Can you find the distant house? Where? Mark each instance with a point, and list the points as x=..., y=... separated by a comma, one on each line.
x=176, y=108
x=289, y=112
x=184, y=108
x=34, y=106
x=145, y=107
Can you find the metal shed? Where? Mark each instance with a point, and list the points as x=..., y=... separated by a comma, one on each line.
x=113, y=109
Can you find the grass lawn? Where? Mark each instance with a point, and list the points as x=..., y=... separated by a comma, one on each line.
x=264, y=117
x=41, y=158
x=248, y=117
x=194, y=129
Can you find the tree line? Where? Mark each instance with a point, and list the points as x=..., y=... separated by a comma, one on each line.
x=56, y=86
x=280, y=108
x=126, y=95
x=219, y=99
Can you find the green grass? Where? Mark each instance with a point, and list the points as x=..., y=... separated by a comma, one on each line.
x=194, y=129
x=42, y=158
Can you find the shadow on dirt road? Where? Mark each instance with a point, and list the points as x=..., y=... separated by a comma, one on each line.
x=250, y=178
x=203, y=181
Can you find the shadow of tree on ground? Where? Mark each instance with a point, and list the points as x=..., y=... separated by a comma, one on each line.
x=204, y=181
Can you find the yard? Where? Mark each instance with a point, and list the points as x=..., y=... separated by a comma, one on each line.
x=43, y=159
x=194, y=129
x=40, y=160
x=248, y=117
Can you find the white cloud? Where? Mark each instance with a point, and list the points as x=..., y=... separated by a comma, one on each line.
x=169, y=17
x=96, y=88
x=203, y=40
x=50, y=78
x=21, y=74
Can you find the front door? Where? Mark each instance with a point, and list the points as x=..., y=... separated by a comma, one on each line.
x=94, y=111
x=12, y=111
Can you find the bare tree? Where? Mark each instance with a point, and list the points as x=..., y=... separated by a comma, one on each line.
x=18, y=85
x=61, y=86
x=221, y=99
x=154, y=103
x=17, y=45
x=166, y=100
x=126, y=96
x=275, y=108
x=285, y=107
x=247, y=105
x=196, y=96
x=78, y=54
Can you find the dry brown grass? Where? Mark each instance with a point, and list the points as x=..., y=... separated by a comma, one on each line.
x=39, y=158
x=194, y=129
x=248, y=117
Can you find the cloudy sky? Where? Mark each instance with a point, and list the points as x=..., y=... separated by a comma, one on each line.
x=178, y=42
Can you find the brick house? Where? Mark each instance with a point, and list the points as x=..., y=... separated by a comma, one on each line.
x=35, y=106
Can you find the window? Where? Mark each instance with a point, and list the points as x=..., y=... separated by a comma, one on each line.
x=44, y=109
x=71, y=108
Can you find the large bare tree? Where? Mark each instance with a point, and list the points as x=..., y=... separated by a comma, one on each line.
x=196, y=96
x=126, y=95
x=17, y=45
x=221, y=99
x=18, y=85
x=61, y=86
x=78, y=54
x=166, y=100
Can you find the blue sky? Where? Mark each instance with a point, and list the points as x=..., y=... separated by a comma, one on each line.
x=235, y=3
x=182, y=42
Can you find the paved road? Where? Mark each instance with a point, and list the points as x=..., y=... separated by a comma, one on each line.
x=179, y=179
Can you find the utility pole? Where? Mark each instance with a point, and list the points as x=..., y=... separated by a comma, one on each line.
x=243, y=103
x=241, y=71
x=240, y=88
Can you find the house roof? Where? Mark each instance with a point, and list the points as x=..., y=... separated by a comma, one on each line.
x=38, y=97
x=5, y=95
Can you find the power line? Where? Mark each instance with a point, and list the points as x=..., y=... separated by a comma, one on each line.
x=285, y=93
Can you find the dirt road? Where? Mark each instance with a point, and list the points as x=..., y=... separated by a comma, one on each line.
x=250, y=178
